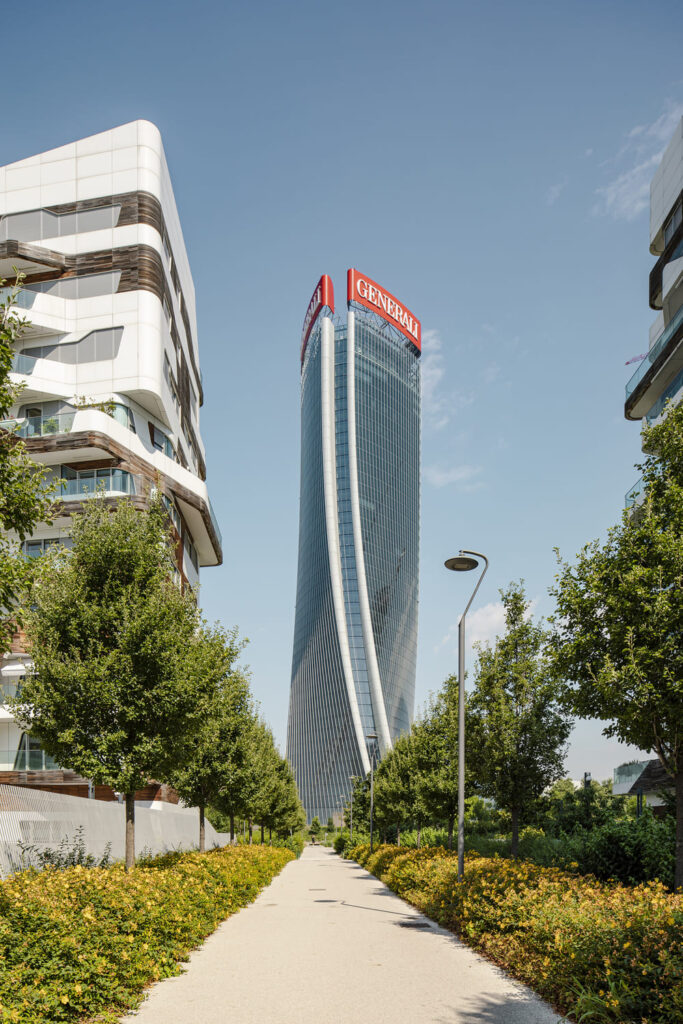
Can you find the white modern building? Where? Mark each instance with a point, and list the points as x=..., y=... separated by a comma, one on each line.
x=110, y=361
x=659, y=377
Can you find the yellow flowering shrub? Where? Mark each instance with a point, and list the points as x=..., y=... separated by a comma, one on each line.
x=84, y=942
x=599, y=951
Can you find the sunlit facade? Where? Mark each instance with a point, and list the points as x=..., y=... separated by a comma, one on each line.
x=109, y=365
x=355, y=636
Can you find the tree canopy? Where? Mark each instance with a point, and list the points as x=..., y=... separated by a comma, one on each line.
x=213, y=765
x=517, y=730
x=618, y=638
x=119, y=685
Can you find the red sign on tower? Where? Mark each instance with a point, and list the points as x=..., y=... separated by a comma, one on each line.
x=322, y=296
x=368, y=293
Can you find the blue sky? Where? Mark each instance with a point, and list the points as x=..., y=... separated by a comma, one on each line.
x=488, y=163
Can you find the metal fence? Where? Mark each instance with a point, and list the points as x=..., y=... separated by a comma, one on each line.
x=32, y=820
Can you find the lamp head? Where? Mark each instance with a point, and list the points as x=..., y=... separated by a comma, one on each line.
x=461, y=563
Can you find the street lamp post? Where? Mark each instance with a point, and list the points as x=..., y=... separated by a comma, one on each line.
x=372, y=736
x=463, y=562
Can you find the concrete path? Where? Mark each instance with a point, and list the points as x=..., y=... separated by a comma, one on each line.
x=327, y=943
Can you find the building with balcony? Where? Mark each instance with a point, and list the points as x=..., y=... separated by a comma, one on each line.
x=659, y=377
x=110, y=362
x=355, y=634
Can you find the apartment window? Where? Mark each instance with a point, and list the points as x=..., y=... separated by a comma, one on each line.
x=31, y=757
x=91, y=348
x=161, y=442
x=123, y=415
x=36, y=548
x=170, y=506
x=167, y=251
x=673, y=223
x=86, y=287
x=168, y=377
x=39, y=420
x=33, y=225
x=191, y=552
x=84, y=482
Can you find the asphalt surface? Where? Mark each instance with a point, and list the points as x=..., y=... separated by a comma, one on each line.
x=327, y=942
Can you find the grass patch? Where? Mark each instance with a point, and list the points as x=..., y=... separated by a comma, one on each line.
x=83, y=943
x=600, y=951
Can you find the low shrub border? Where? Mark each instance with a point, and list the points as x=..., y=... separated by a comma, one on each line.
x=599, y=951
x=82, y=943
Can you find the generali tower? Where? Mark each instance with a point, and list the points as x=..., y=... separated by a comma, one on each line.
x=355, y=634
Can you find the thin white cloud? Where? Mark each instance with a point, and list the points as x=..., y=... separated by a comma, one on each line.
x=491, y=372
x=555, y=191
x=464, y=476
x=438, y=406
x=628, y=194
x=486, y=623
x=483, y=626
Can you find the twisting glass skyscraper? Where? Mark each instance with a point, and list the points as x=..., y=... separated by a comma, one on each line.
x=355, y=634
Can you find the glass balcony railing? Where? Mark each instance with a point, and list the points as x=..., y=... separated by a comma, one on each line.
x=40, y=426
x=28, y=760
x=9, y=690
x=654, y=352
x=215, y=524
x=23, y=364
x=23, y=300
x=669, y=392
x=631, y=497
x=89, y=482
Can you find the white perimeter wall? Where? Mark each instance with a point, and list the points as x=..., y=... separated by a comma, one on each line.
x=40, y=819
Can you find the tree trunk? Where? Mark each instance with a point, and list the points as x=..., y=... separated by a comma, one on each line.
x=419, y=836
x=270, y=837
x=130, y=831
x=262, y=835
x=515, y=832
x=232, y=828
x=202, y=829
x=451, y=820
x=398, y=835
x=251, y=831
x=678, y=876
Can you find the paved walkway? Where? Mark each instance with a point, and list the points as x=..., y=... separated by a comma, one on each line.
x=327, y=943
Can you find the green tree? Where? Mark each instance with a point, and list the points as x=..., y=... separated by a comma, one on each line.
x=360, y=796
x=217, y=752
x=396, y=789
x=25, y=497
x=517, y=730
x=563, y=808
x=116, y=693
x=436, y=754
x=315, y=828
x=282, y=812
x=618, y=634
x=256, y=776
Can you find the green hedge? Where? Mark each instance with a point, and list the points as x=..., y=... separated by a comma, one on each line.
x=600, y=951
x=86, y=941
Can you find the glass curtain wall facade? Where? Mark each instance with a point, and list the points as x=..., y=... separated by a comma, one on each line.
x=355, y=636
